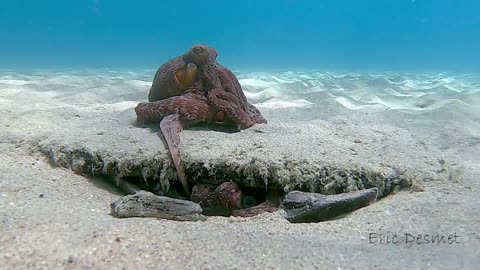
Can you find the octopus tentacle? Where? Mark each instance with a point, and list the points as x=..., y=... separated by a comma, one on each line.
x=226, y=102
x=223, y=90
x=171, y=127
x=231, y=84
x=255, y=115
x=174, y=114
x=192, y=106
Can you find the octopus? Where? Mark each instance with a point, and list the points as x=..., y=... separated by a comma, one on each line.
x=179, y=83
x=194, y=88
x=228, y=199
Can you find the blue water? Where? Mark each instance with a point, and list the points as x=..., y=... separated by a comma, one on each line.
x=411, y=35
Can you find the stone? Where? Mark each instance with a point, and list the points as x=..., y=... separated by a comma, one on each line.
x=314, y=207
x=146, y=204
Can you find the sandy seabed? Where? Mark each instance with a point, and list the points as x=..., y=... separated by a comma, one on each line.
x=427, y=125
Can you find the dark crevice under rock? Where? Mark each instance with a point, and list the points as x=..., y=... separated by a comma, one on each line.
x=257, y=178
x=158, y=173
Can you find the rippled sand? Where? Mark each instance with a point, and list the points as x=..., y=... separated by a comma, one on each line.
x=369, y=92
x=52, y=218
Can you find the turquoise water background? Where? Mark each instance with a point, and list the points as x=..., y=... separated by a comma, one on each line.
x=404, y=35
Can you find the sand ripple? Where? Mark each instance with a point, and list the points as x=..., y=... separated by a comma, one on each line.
x=355, y=91
x=383, y=91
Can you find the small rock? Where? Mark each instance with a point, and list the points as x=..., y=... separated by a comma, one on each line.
x=146, y=204
x=41, y=195
x=315, y=207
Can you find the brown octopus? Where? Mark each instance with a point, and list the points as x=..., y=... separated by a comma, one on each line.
x=195, y=88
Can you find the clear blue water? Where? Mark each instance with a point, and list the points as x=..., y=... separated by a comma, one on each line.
x=412, y=35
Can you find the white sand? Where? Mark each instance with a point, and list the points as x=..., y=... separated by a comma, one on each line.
x=412, y=121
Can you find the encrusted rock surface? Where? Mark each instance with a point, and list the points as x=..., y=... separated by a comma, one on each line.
x=146, y=204
x=314, y=207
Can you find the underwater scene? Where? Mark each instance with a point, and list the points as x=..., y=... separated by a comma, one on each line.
x=239, y=134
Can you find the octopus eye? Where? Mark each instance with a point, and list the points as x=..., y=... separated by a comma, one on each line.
x=197, y=50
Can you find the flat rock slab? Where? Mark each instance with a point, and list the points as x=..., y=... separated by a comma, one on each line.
x=88, y=125
x=146, y=204
x=314, y=207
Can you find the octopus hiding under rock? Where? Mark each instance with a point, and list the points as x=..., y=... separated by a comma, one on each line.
x=194, y=88
x=228, y=199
